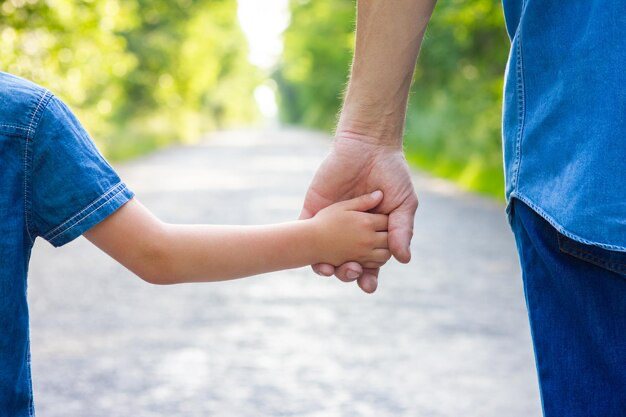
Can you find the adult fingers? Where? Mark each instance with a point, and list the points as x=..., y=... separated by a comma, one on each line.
x=368, y=281
x=313, y=202
x=305, y=213
x=401, y=229
x=349, y=271
x=325, y=270
x=373, y=265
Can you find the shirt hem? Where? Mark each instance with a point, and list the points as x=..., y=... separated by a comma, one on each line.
x=556, y=224
x=93, y=214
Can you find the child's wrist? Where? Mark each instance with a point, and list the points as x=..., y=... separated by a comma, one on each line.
x=315, y=239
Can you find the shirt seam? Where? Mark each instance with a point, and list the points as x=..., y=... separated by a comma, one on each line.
x=35, y=121
x=14, y=126
x=61, y=229
x=589, y=256
x=521, y=108
x=561, y=229
x=111, y=199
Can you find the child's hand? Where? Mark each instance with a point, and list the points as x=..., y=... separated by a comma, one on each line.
x=346, y=232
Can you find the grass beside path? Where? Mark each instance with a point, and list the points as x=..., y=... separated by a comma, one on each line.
x=469, y=175
x=472, y=175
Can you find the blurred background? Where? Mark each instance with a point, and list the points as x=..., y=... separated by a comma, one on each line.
x=142, y=74
x=220, y=111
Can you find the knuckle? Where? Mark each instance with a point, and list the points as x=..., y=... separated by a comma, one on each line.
x=366, y=220
x=386, y=255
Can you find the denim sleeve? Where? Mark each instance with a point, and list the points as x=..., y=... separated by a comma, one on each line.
x=71, y=187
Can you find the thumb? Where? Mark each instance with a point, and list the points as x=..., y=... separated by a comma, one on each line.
x=305, y=214
x=401, y=229
x=364, y=202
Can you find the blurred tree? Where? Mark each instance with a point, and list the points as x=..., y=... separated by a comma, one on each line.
x=453, y=121
x=140, y=73
x=316, y=60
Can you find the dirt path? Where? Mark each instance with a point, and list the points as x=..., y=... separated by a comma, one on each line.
x=446, y=335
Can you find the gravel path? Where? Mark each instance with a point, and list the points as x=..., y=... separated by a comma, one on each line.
x=446, y=335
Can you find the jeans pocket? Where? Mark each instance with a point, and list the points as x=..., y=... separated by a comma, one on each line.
x=611, y=260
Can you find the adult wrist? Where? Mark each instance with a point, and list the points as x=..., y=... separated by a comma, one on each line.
x=379, y=133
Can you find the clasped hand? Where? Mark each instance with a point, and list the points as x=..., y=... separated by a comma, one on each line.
x=355, y=168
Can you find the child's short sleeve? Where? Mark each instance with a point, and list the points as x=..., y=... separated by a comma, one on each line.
x=70, y=187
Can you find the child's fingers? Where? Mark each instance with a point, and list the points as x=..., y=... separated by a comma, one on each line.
x=381, y=240
x=377, y=258
x=381, y=255
x=380, y=222
x=364, y=202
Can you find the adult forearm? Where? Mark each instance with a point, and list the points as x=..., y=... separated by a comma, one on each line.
x=388, y=39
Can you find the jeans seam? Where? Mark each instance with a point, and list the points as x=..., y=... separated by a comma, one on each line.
x=592, y=258
x=560, y=228
x=31, y=402
x=528, y=309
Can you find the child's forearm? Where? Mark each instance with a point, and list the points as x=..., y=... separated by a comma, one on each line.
x=162, y=253
x=215, y=253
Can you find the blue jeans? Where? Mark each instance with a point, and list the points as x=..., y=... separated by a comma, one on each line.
x=576, y=300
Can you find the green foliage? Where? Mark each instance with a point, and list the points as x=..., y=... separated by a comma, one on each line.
x=453, y=120
x=317, y=53
x=140, y=73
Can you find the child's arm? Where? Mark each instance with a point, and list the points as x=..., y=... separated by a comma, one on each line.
x=163, y=253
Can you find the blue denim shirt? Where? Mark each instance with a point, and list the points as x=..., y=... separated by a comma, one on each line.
x=53, y=183
x=564, y=124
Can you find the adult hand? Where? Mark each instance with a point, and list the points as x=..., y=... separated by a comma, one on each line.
x=355, y=167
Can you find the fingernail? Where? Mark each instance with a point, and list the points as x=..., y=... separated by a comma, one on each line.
x=352, y=274
x=368, y=283
x=376, y=194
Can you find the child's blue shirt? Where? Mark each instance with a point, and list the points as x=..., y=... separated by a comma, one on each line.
x=53, y=184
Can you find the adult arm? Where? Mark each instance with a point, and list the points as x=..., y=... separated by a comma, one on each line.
x=162, y=253
x=367, y=151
